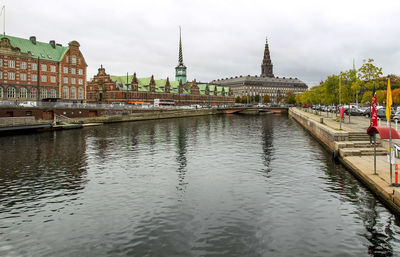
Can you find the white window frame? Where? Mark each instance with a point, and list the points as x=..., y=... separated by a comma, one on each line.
x=80, y=71
x=43, y=78
x=53, y=79
x=33, y=66
x=65, y=80
x=11, y=63
x=65, y=70
x=24, y=65
x=80, y=81
x=33, y=77
x=73, y=71
x=52, y=68
x=73, y=81
x=11, y=75
x=22, y=76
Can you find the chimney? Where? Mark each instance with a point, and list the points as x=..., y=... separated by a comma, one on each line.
x=52, y=43
x=33, y=40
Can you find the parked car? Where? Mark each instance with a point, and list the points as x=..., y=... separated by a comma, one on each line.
x=353, y=112
x=366, y=111
x=27, y=104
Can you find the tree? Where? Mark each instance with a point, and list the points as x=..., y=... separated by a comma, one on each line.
x=237, y=99
x=381, y=96
x=266, y=99
x=257, y=98
x=369, y=71
x=290, y=98
x=396, y=96
x=243, y=100
x=278, y=99
x=367, y=97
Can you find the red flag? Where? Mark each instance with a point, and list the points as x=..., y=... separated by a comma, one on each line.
x=374, y=111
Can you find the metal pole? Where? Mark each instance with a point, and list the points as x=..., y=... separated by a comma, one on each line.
x=390, y=151
x=340, y=98
x=375, y=154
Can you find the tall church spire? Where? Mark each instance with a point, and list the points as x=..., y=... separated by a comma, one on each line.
x=266, y=66
x=180, y=70
x=180, y=48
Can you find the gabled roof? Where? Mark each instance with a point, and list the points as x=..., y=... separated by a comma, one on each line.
x=42, y=50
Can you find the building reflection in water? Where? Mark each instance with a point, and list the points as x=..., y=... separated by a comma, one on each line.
x=33, y=167
x=181, y=144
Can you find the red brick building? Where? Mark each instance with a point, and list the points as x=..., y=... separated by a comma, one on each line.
x=105, y=88
x=32, y=70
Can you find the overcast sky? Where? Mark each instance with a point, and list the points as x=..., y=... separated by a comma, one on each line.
x=307, y=39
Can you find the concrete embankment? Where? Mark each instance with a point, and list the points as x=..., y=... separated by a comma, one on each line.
x=354, y=151
x=153, y=115
x=18, y=125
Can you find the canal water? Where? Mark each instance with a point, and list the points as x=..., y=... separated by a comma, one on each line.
x=204, y=186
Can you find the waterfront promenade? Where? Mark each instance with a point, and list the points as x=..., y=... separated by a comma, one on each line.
x=362, y=164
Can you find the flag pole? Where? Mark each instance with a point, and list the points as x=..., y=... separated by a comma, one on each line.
x=388, y=114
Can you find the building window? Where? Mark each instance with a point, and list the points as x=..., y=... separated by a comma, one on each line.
x=24, y=65
x=53, y=79
x=65, y=70
x=43, y=93
x=73, y=92
x=73, y=59
x=23, y=93
x=34, y=77
x=1, y=62
x=53, y=93
x=11, y=63
x=33, y=93
x=22, y=76
x=65, y=92
x=53, y=68
x=44, y=78
x=73, y=81
x=80, y=93
x=11, y=92
x=43, y=67
x=1, y=75
x=65, y=80
x=80, y=81
x=73, y=71
x=11, y=76
x=80, y=72
x=34, y=66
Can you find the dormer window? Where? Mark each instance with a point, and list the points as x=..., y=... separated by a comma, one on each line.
x=73, y=59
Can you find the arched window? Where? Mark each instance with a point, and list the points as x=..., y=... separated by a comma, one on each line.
x=80, y=93
x=32, y=93
x=73, y=92
x=53, y=93
x=65, y=92
x=1, y=92
x=23, y=93
x=11, y=92
x=43, y=93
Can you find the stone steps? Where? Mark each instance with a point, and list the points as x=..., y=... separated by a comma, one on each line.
x=355, y=144
x=361, y=151
x=358, y=136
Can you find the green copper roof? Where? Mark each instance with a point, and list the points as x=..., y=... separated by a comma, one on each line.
x=122, y=79
x=42, y=50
